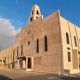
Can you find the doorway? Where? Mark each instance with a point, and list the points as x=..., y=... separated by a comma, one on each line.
x=29, y=64
x=22, y=63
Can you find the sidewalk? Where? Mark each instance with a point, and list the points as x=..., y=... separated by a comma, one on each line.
x=13, y=74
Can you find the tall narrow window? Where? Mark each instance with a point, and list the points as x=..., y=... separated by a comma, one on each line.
x=37, y=46
x=69, y=57
x=21, y=50
x=46, y=43
x=67, y=38
x=5, y=61
x=28, y=43
x=79, y=43
x=31, y=19
x=17, y=51
x=75, y=42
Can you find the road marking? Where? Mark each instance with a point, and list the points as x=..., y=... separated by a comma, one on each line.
x=51, y=77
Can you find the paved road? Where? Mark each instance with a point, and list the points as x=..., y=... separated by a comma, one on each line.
x=49, y=77
x=23, y=75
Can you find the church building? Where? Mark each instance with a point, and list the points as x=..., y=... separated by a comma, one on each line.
x=50, y=44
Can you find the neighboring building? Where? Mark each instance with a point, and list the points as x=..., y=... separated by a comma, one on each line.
x=51, y=44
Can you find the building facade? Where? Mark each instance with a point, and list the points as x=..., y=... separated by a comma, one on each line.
x=50, y=44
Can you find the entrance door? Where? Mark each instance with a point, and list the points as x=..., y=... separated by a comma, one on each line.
x=21, y=64
x=29, y=66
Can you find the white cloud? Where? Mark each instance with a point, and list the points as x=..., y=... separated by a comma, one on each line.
x=7, y=33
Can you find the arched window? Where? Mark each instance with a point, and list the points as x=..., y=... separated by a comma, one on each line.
x=31, y=19
x=75, y=41
x=37, y=46
x=37, y=12
x=46, y=43
x=32, y=12
x=67, y=38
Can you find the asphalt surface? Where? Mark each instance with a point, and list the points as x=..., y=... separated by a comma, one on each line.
x=48, y=77
x=23, y=75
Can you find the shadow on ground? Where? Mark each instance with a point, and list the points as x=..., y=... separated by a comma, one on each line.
x=69, y=78
x=4, y=78
x=49, y=77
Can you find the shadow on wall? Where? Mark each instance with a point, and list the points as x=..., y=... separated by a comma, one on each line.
x=4, y=78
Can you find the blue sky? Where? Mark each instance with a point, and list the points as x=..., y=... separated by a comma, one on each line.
x=17, y=11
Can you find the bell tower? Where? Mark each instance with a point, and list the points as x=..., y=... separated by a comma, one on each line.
x=35, y=13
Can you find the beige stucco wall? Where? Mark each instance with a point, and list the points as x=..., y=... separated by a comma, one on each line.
x=49, y=27
x=70, y=28
x=50, y=61
x=78, y=34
